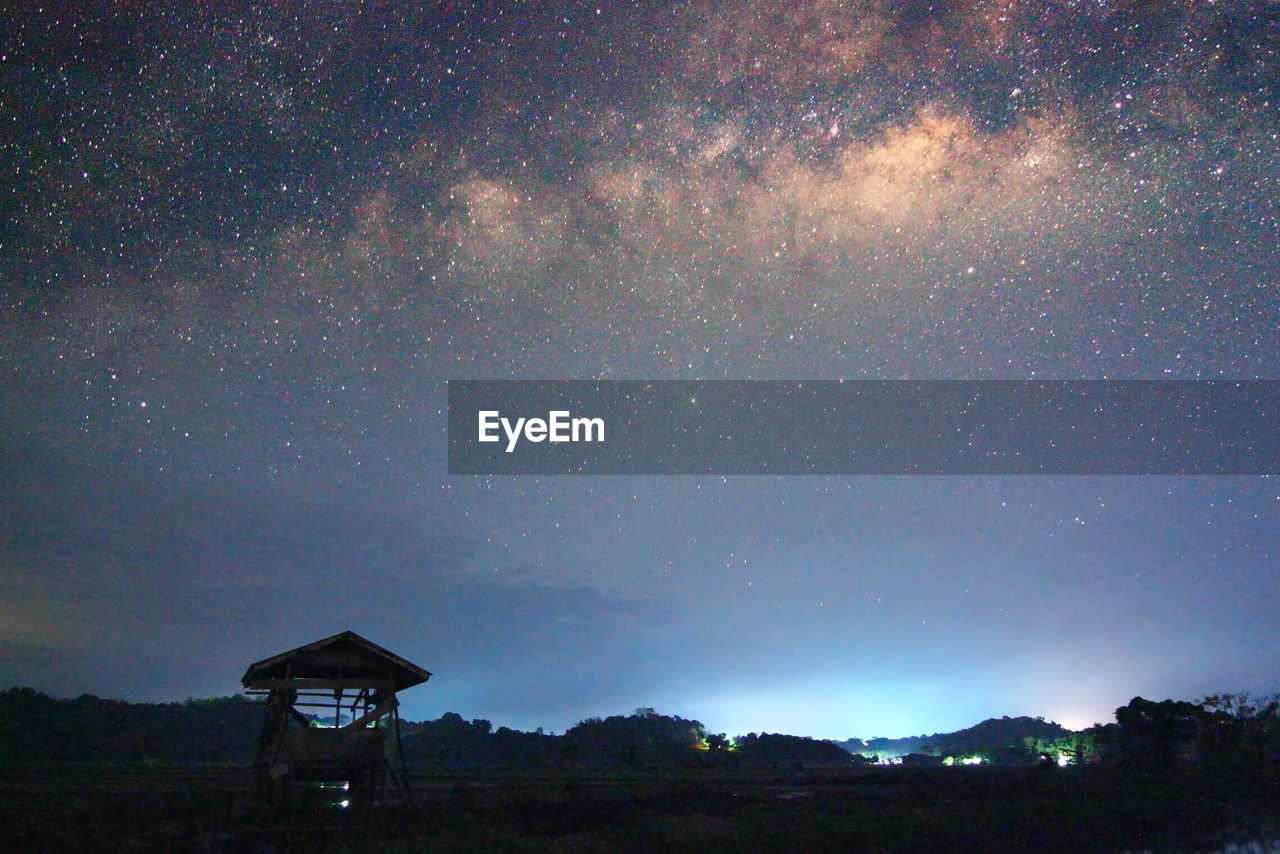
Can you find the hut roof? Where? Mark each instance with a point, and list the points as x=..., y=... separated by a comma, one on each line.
x=344, y=657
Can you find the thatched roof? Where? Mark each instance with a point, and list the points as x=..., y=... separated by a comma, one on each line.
x=345, y=657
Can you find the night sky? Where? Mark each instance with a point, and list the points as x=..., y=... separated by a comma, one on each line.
x=243, y=247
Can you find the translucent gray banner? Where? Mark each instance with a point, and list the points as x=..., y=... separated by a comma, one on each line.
x=866, y=427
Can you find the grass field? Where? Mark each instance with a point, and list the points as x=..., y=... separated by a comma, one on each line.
x=130, y=808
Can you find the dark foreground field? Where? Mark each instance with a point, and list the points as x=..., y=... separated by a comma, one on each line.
x=879, y=809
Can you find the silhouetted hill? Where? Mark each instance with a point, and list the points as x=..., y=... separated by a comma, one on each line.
x=1003, y=740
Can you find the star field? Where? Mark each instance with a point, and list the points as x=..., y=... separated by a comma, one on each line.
x=244, y=246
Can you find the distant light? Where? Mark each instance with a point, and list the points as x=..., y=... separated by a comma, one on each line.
x=963, y=760
x=344, y=804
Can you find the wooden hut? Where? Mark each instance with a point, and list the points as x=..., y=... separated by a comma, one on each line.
x=349, y=685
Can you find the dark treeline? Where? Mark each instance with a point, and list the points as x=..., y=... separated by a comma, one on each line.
x=37, y=728
x=643, y=739
x=1224, y=731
